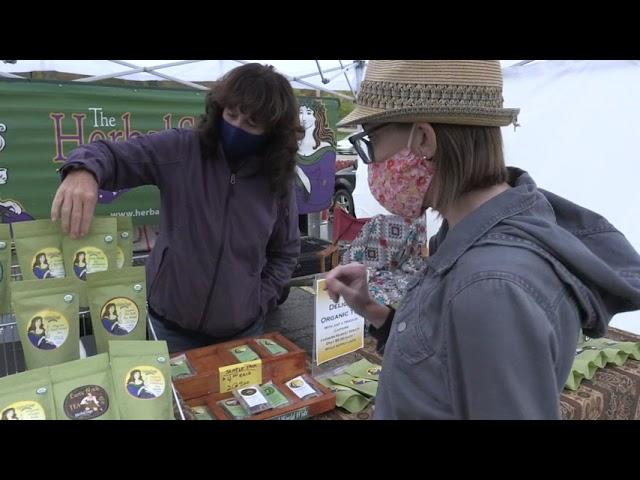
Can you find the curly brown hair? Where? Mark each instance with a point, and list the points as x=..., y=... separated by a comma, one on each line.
x=265, y=95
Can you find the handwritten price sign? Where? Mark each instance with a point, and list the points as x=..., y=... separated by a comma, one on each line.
x=240, y=375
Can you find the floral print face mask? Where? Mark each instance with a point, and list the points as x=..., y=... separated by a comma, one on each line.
x=401, y=181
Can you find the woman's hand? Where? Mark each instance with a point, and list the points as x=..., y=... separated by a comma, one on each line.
x=75, y=203
x=350, y=283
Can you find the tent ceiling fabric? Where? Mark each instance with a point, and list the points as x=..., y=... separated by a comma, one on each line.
x=199, y=71
x=203, y=70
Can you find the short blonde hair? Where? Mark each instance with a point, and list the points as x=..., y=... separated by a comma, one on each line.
x=466, y=158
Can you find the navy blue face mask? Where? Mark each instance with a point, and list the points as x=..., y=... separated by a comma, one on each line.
x=239, y=143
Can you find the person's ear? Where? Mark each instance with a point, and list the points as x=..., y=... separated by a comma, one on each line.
x=425, y=140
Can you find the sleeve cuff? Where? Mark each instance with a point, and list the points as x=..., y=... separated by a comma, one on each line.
x=382, y=334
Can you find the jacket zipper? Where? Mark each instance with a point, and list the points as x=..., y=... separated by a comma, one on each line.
x=223, y=241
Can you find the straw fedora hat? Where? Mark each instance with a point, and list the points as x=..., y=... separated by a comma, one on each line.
x=461, y=92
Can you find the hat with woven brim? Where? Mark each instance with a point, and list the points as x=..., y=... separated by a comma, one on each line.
x=460, y=92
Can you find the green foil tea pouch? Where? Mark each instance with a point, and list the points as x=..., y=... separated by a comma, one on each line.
x=365, y=386
x=95, y=252
x=202, y=412
x=244, y=353
x=142, y=379
x=347, y=398
x=118, y=304
x=233, y=408
x=39, y=249
x=47, y=318
x=272, y=346
x=27, y=396
x=274, y=396
x=83, y=389
x=364, y=369
x=181, y=367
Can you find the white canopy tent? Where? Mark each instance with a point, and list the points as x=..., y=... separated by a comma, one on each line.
x=577, y=135
x=331, y=76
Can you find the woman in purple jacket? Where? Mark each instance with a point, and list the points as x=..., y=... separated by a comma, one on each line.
x=229, y=238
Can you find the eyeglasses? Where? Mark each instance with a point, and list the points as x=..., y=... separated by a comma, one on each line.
x=363, y=144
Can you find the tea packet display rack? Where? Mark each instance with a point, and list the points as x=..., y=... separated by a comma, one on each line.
x=270, y=356
x=253, y=378
x=298, y=398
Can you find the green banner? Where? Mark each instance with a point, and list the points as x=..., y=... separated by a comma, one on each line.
x=41, y=122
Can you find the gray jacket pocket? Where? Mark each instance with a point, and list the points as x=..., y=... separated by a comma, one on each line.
x=412, y=345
